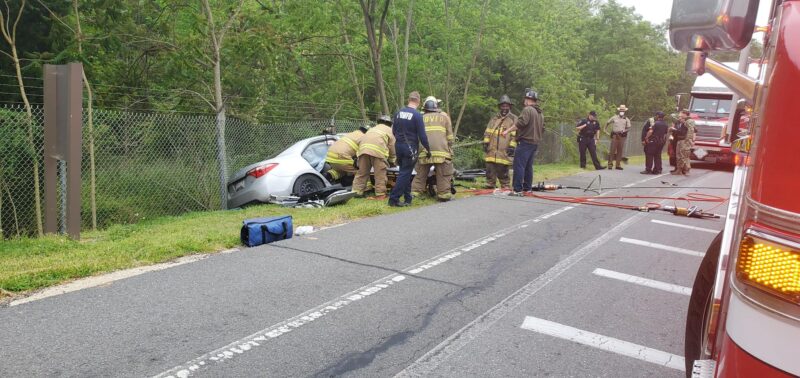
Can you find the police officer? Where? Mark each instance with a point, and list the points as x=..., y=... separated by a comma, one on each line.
x=499, y=149
x=620, y=125
x=342, y=155
x=409, y=132
x=530, y=128
x=588, y=134
x=376, y=152
x=683, y=132
x=439, y=131
x=654, y=141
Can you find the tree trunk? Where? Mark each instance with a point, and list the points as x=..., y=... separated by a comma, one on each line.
x=447, y=58
x=10, y=36
x=475, y=53
x=375, y=46
x=89, y=120
x=351, y=67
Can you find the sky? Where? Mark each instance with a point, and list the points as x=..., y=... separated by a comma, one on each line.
x=658, y=11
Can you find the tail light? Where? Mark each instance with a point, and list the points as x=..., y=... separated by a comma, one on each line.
x=261, y=170
x=770, y=262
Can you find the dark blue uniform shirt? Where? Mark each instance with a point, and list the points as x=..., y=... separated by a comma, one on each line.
x=408, y=128
x=592, y=127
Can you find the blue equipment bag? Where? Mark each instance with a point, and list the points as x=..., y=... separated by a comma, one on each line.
x=259, y=231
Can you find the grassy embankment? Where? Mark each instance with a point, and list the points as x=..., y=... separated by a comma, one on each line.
x=34, y=263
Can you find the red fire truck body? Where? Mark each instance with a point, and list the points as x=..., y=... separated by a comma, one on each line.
x=744, y=315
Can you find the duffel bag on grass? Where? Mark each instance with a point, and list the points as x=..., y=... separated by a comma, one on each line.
x=259, y=231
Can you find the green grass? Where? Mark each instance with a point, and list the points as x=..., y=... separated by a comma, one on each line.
x=34, y=263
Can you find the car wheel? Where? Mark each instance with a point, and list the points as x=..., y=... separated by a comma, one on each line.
x=700, y=305
x=307, y=184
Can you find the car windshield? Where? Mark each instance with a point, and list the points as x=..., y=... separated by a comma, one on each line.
x=711, y=105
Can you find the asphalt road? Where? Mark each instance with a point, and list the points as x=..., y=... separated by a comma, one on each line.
x=484, y=286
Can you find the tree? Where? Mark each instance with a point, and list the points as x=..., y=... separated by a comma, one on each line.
x=368, y=7
x=8, y=28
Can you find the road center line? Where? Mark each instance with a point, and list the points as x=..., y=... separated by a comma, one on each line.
x=672, y=288
x=606, y=343
x=685, y=226
x=663, y=247
x=247, y=343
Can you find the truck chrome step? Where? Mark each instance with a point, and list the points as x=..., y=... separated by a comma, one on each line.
x=703, y=368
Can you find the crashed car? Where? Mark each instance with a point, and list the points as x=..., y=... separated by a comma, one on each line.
x=297, y=171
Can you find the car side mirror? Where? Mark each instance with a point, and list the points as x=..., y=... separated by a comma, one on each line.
x=712, y=24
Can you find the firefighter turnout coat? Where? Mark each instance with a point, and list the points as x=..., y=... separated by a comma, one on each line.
x=439, y=130
x=378, y=142
x=496, y=144
x=342, y=154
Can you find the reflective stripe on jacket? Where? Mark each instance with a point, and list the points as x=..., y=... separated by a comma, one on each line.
x=498, y=144
x=344, y=149
x=439, y=130
x=378, y=142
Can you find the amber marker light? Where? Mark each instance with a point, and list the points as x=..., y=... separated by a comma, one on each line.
x=770, y=265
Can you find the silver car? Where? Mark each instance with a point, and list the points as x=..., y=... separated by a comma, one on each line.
x=295, y=171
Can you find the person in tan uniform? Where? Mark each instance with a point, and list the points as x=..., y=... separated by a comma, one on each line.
x=376, y=152
x=499, y=148
x=620, y=125
x=341, y=156
x=439, y=130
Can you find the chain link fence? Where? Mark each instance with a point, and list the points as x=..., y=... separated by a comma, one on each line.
x=140, y=165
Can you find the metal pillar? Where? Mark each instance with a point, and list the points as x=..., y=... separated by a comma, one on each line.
x=63, y=119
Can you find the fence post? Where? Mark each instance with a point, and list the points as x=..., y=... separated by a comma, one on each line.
x=63, y=103
x=222, y=160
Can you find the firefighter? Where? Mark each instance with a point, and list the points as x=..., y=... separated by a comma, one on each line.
x=530, y=124
x=376, y=152
x=654, y=142
x=409, y=130
x=683, y=132
x=620, y=125
x=341, y=157
x=439, y=130
x=588, y=134
x=499, y=149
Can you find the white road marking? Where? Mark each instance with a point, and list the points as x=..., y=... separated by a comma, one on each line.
x=89, y=282
x=711, y=231
x=672, y=288
x=426, y=364
x=606, y=343
x=247, y=343
x=663, y=247
x=645, y=180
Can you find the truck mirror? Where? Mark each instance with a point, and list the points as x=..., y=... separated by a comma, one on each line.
x=712, y=24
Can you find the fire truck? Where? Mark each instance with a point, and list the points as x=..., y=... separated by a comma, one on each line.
x=744, y=313
x=711, y=106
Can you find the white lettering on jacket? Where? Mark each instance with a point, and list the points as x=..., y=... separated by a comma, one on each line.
x=405, y=115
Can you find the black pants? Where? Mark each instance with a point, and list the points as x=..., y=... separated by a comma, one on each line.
x=652, y=152
x=583, y=145
x=406, y=160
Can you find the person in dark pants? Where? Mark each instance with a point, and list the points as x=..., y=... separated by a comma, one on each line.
x=530, y=128
x=654, y=141
x=409, y=131
x=588, y=133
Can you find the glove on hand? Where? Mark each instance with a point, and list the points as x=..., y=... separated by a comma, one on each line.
x=510, y=151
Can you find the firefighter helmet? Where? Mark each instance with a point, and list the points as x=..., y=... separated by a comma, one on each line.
x=430, y=105
x=385, y=119
x=531, y=94
x=504, y=99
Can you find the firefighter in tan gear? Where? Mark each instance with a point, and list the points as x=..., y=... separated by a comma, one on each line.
x=375, y=153
x=499, y=149
x=439, y=130
x=342, y=155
